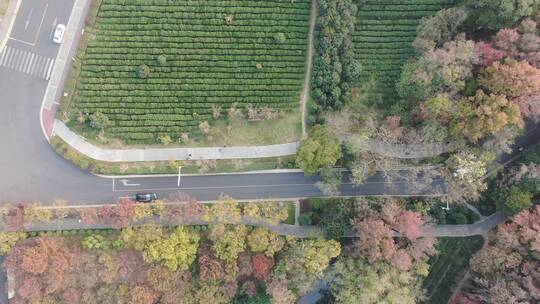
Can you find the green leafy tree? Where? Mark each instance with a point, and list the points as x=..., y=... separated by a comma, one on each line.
x=484, y=115
x=10, y=239
x=161, y=60
x=358, y=281
x=318, y=150
x=143, y=71
x=230, y=243
x=442, y=26
x=280, y=38
x=496, y=14
x=262, y=240
x=99, y=121
x=512, y=200
x=304, y=261
x=176, y=250
x=334, y=65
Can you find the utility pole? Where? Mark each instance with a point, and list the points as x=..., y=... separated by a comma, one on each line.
x=179, y=176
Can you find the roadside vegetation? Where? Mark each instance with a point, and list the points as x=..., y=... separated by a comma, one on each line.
x=3, y=7
x=162, y=72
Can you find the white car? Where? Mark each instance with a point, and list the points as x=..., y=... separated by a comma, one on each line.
x=59, y=33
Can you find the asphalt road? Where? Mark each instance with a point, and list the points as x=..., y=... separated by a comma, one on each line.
x=30, y=170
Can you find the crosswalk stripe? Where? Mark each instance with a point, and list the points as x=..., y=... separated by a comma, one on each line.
x=30, y=62
x=46, y=67
x=36, y=65
x=26, y=62
x=3, y=56
x=13, y=62
x=8, y=57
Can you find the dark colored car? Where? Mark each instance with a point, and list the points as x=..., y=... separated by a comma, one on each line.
x=145, y=197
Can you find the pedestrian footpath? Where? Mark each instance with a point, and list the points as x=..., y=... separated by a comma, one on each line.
x=26, y=62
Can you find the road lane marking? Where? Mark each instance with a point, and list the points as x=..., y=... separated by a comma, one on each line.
x=41, y=23
x=125, y=183
x=27, y=22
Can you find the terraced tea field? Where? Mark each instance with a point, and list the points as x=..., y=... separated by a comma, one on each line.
x=200, y=54
x=383, y=36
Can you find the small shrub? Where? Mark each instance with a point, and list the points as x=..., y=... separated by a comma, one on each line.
x=143, y=71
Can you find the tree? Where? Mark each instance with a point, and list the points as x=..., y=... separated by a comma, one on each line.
x=269, y=212
x=442, y=26
x=161, y=60
x=358, y=281
x=224, y=211
x=230, y=243
x=262, y=265
x=488, y=54
x=514, y=199
x=209, y=293
x=496, y=14
x=334, y=65
x=89, y=216
x=484, y=115
x=10, y=239
x=279, y=292
x=506, y=270
x=14, y=218
x=209, y=266
x=374, y=239
x=178, y=250
x=143, y=71
x=280, y=38
x=99, y=121
x=119, y=215
x=506, y=39
x=318, y=150
x=141, y=294
x=408, y=223
x=529, y=106
x=262, y=240
x=511, y=78
x=304, y=261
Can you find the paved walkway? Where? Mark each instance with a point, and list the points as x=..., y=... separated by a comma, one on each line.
x=68, y=48
x=7, y=21
x=164, y=154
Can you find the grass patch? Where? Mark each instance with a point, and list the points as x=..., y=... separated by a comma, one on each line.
x=168, y=167
x=3, y=7
x=291, y=211
x=449, y=266
x=223, y=132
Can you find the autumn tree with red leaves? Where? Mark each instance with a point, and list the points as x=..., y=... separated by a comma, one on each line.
x=119, y=215
x=262, y=265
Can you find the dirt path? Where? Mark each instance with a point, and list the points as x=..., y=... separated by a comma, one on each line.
x=305, y=91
